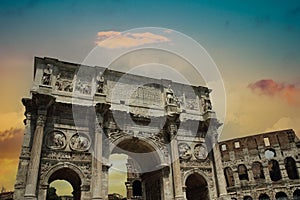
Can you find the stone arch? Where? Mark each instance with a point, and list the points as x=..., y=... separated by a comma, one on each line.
x=291, y=168
x=296, y=194
x=195, y=171
x=68, y=172
x=243, y=172
x=281, y=196
x=150, y=160
x=228, y=173
x=196, y=185
x=263, y=196
x=258, y=170
x=45, y=178
x=274, y=170
x=151, y=148
x=247, y=198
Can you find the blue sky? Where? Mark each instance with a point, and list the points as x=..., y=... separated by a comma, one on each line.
x=249, y=26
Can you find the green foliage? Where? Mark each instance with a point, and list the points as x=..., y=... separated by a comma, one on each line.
x=51, y=194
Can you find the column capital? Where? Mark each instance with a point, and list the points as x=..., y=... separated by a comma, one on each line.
x=42, y=101
x=171, y=127
x=41, y=120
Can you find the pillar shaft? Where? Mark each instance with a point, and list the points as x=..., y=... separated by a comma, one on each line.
x=221, y=182
x=176, y=170
x=97, y=162
x=33, y=169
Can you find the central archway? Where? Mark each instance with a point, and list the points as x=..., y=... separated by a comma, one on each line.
x=150, y=160
x=196, y=187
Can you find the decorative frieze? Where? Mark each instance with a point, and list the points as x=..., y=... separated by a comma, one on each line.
x=63, y=83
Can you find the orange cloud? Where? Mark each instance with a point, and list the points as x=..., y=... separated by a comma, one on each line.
x=114, y=39
x=8, y=172
x=10, y=147
x=287, y=92
x=103, y=35
x=10, y=143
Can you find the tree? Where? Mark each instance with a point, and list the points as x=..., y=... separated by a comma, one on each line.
x=51, y=194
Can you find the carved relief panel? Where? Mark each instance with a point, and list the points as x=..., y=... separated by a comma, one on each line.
x=80, y=142
x=200, y=151
x=184, y=150
x=64, y=80
x=55, y=140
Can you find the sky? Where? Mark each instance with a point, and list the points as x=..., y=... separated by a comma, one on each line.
x=255, y=45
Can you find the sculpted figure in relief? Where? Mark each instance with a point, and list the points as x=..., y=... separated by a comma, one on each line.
x=79, y=143
x=47, y=73
x=206, y=104
x=169, y=95
x=100, y=83
x=184, y=151
x=200, y=152
x=63, y=84
x=56, y=140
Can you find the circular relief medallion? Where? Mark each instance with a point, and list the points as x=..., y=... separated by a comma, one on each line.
x=184, y=151
x=200, y=152
x=80, y=142
x=56, y=140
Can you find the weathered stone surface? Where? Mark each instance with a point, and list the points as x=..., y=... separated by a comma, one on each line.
x=78, y=116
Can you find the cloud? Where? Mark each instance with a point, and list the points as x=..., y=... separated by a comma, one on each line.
x=114, y=39
x=10, y=143
x=290, y=93
x=10, y=147
x=8, y=171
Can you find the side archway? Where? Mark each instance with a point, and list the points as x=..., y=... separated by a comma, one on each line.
x=263, y=197
x=228, y=173
x=291, y=168
x=247, y=198
x=274, y=170
x=196, y=187
x=258, y=172
x=243, y=172
x=68, y=172
x=281, y=196
x=296, y=194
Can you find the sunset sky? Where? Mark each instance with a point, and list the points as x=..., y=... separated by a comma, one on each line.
x=255, y=44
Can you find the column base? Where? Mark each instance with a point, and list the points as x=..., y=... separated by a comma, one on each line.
x=181, y=197
x=97, y=198
x=30, y=197
x=224, y=197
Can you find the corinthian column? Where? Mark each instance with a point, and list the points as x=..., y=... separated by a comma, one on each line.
x=33, y=169
x=97, y=163
x=220, y=178
x=175, y=163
